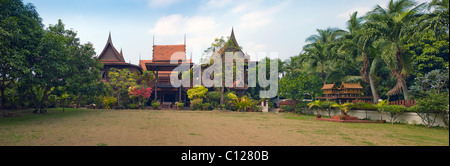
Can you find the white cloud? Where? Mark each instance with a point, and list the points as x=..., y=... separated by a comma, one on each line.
x=177, y=24
x=258, y=18
x=255, y=19
x=255, y=47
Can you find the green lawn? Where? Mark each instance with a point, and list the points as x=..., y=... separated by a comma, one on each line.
x=198, y=128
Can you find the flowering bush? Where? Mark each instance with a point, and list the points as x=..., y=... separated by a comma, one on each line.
x=109, y=101
x=142, y=94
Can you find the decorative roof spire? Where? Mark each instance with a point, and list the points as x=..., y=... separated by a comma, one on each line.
x=233, y=38
x=109, y=38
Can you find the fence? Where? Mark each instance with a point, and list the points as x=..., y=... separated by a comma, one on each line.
x=406, y=103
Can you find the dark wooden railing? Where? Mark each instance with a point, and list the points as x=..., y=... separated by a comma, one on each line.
x=406, y=103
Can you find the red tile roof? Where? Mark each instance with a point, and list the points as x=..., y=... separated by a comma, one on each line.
x=166, y=52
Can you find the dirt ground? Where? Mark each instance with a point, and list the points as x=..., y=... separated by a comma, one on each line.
x=212, y=128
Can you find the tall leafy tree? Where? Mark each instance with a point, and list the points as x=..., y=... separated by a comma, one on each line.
x=120, y=80
x=322, y=49
x=361, y=40
x=392, y=25
x=84, y=80
x=20, y=34
x=294, y=85
x=438, y=20
x=49, y=68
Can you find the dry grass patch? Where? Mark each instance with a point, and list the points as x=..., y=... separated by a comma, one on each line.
x=196, y=128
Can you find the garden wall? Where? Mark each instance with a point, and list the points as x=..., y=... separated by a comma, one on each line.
x=407, y=117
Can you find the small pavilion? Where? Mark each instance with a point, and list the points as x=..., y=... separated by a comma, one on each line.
x=346, y=93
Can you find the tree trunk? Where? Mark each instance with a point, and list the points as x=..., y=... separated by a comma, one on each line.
x=323, y=75
x=405, y=90
x=373, y=89
x=3, y=100
x=364, y=70
x=221, y=96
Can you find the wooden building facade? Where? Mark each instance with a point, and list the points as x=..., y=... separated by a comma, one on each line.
x=162, y=67
x=348, y=92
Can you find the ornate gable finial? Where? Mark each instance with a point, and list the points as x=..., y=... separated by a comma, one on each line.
x=109, y=37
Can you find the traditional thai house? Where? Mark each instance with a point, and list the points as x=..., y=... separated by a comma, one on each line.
x=111, y=58
x=240, y=86
x=346, y=93
x=351, y=90
x=162, y=67
x=329, y=90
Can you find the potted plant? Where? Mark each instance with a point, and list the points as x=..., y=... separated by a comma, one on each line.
x=344, y=109
x=317, y=104
x=318, y=116
x=342, y=116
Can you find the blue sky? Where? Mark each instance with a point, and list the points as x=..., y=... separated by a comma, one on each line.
x=260, y=25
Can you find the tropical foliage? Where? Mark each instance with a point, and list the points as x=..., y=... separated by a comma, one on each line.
x=344, y=107
x=394, y=111
x=387, y=49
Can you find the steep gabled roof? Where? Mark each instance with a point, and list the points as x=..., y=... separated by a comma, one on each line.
x=165, y=52
x=110, y=54
x=329, y=86
x=232, y=46
x=351, y=86
x=233, y=38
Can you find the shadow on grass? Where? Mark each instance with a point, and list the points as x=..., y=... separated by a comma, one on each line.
x=27, y=116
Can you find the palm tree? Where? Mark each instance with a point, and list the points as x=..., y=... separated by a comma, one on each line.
x=438, y=19
x=322, y=48
x=317, y=103
x=292, y=64
x=361, y=40
x=344, y=107
x=392, y=25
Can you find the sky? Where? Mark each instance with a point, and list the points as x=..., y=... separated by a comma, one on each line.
x=260, y=26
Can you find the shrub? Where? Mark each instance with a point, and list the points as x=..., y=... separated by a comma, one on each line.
x=243, y=103
x=394, y=111
x=197, y=104
x=434, y=104
x=98, y=101
x=109, y=101
x=287, y=108
x=380, y=107
x=231, y=96
x=213, y=97
x=214, y=105
x=229, y=101
x=255, y=106
x=206, y=106
x=132, y=106
x=365, y=106
x=197, y=92
x=344, y=107
x=140, y=93
x=180, y=106
x=156, y=105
